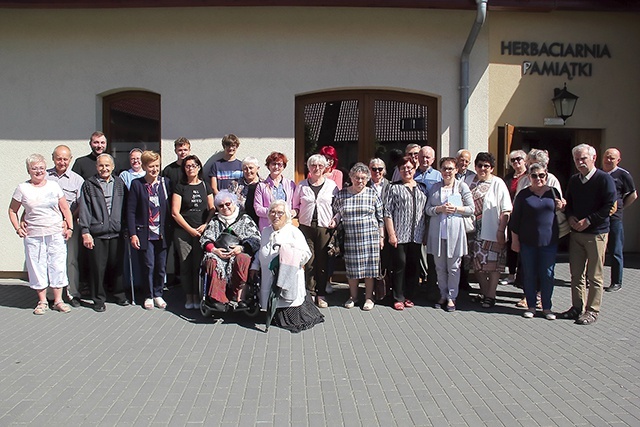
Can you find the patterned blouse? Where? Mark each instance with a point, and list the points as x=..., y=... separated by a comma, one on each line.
x=406, y=207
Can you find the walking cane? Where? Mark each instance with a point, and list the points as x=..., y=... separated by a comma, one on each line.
x=133, y=292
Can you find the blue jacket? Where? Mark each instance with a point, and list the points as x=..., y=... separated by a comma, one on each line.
x=138, y=211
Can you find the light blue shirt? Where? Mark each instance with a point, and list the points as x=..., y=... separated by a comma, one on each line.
x=428, y=177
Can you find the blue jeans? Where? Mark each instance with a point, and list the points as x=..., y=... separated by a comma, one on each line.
x=538, y=265
x=615, y=246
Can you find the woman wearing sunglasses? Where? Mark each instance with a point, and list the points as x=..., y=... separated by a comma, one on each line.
x=492, y=206
x=534, y=231
x=229, y=241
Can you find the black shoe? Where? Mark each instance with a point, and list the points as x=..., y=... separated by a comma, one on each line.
x=100, y=308
x=75, y=302
x=571, y=314
x=123, y=303
x=242, y=305
x=614, y=288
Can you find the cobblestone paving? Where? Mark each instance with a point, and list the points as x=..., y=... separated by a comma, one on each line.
x=420, y=367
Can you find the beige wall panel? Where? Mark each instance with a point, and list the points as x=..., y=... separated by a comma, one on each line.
x=218, y=70
x=609, y=99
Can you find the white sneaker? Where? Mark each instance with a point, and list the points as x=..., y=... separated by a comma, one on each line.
x=148, y=304
x=528, y=314
x=350, y=303
x=159, y=302
x=322, y=303
x=368, y=305
x=549, y=315
x=328, y=289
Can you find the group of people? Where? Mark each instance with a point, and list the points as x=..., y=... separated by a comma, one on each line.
x=434, y=224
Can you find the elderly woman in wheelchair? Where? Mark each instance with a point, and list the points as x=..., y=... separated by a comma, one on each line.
x=229, y=242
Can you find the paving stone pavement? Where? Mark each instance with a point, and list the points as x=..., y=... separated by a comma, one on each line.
x=422, y=366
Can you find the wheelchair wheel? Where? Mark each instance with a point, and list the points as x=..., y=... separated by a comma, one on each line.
x=205, y=311
x=253, y=310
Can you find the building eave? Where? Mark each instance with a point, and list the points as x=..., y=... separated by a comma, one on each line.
x=497, y=5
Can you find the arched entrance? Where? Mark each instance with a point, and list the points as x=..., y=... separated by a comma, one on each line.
x=362, y=124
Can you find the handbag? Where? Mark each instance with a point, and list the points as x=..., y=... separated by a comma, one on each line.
x=563, y=224
x=469, y=223
x=336, y=242
x=382, y=285
x=226, y=240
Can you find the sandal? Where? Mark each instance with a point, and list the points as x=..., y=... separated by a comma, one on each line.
x=41, y=308
x=488, y=302
x=439, y=304
x=398, y=305
x=522, y=303
x=148, y=304
x=62, y=307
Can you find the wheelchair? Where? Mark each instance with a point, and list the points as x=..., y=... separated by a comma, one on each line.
x=209, y=307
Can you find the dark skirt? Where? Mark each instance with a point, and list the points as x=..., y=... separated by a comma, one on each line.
x=296, y=319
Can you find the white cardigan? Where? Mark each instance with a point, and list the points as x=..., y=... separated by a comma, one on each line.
x=456, y=236
x=288, y=234
x=496, y=202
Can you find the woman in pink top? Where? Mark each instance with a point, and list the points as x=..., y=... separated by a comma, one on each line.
x=275, y=187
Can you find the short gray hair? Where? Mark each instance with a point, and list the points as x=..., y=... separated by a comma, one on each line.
x=250, y=160
x=360, y=168
x=518, y=153
x=225, y=195
x=583, y=147
x=378, y=161
x=34, y=159
x=108, y=156
x=287, y=211
x=317, y=159
x=538, y=156
x=537, y=166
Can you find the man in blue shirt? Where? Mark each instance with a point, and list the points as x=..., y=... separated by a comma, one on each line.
x=626, y=195
x=428, y=176
x=425, y=173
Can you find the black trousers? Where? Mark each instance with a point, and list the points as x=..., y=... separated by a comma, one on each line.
x=405, y=260
x=105, y=260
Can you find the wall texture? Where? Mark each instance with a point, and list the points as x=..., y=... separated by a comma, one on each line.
x=218, y=70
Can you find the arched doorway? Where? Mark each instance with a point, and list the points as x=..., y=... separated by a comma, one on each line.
x=131, y=119
x=362, y=124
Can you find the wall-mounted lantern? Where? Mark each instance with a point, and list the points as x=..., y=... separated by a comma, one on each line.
x=564, y=102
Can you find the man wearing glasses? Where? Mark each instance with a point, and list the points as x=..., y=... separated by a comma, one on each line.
x=412, y=150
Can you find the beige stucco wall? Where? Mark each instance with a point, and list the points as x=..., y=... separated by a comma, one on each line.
x=218, y=70
x=609, y=99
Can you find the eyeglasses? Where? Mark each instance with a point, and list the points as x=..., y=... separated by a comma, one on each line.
x=191, y=166
x=360, y=178
x=224, y=205
x=277, y=164
x=540, y=175
x=448, y=169
x=483, y=165
x=377, y=169
x=516, y=159
x=406, y=168
x=317, y=166
x=276, y=213
x=40, y=169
